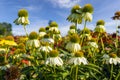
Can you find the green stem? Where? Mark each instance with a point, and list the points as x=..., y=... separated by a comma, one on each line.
x=117, y=76
x=76, y=73
x=102, y=44
x=76, y=27
x=25, y=30
x=83, y=32
x=116, y=36
x=6, y=54
x=111, y=72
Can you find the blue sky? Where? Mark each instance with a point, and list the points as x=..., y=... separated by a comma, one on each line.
x=41, y=11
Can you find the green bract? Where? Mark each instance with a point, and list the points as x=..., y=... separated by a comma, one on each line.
x=23, y=13
x=100, y=22
x=33, y=35
x=88, y=8
x=53, y=24
x=54, y=53
x=74, y=38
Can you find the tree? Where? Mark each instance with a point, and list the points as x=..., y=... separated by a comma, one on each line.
x=5, y=29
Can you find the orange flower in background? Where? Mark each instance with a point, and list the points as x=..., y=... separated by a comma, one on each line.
x=24, y=61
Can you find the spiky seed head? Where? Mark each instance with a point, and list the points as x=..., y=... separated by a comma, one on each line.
x=100, y=22
x=54, y=53
x=72, y=26
x=42, y=29
x=47, y=36
x=23, y=13
x=47, y=28
x=88, y=8
x=33, y=35
x=79, y=54
x=74, y=8
x=74, y=38
x=53, y=24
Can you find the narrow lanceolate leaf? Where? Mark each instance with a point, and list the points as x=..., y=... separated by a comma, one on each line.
x=93, y=68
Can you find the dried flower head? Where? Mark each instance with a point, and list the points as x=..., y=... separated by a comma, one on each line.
x=12, y=73
x=33, y=35
x=88, y=8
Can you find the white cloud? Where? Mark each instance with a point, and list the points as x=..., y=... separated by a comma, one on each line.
x=64, y=3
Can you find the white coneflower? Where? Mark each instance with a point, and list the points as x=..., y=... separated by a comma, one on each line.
x=71, y=31
x=54, y=60
x=22, y=18
x=114, y=59
x=5, y=67
x=106, y=58
x=33, y=40
x=87, y=16
x=33, y=43
x=78, y=59
x=100, y=28
x=42, y=32
x=54, y=29
x=73, y=45
x=93, y=44
x=87, y=12
x=46, y=49
x=47, y=39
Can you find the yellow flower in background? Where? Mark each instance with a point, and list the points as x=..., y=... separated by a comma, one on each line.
x=8, y=43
